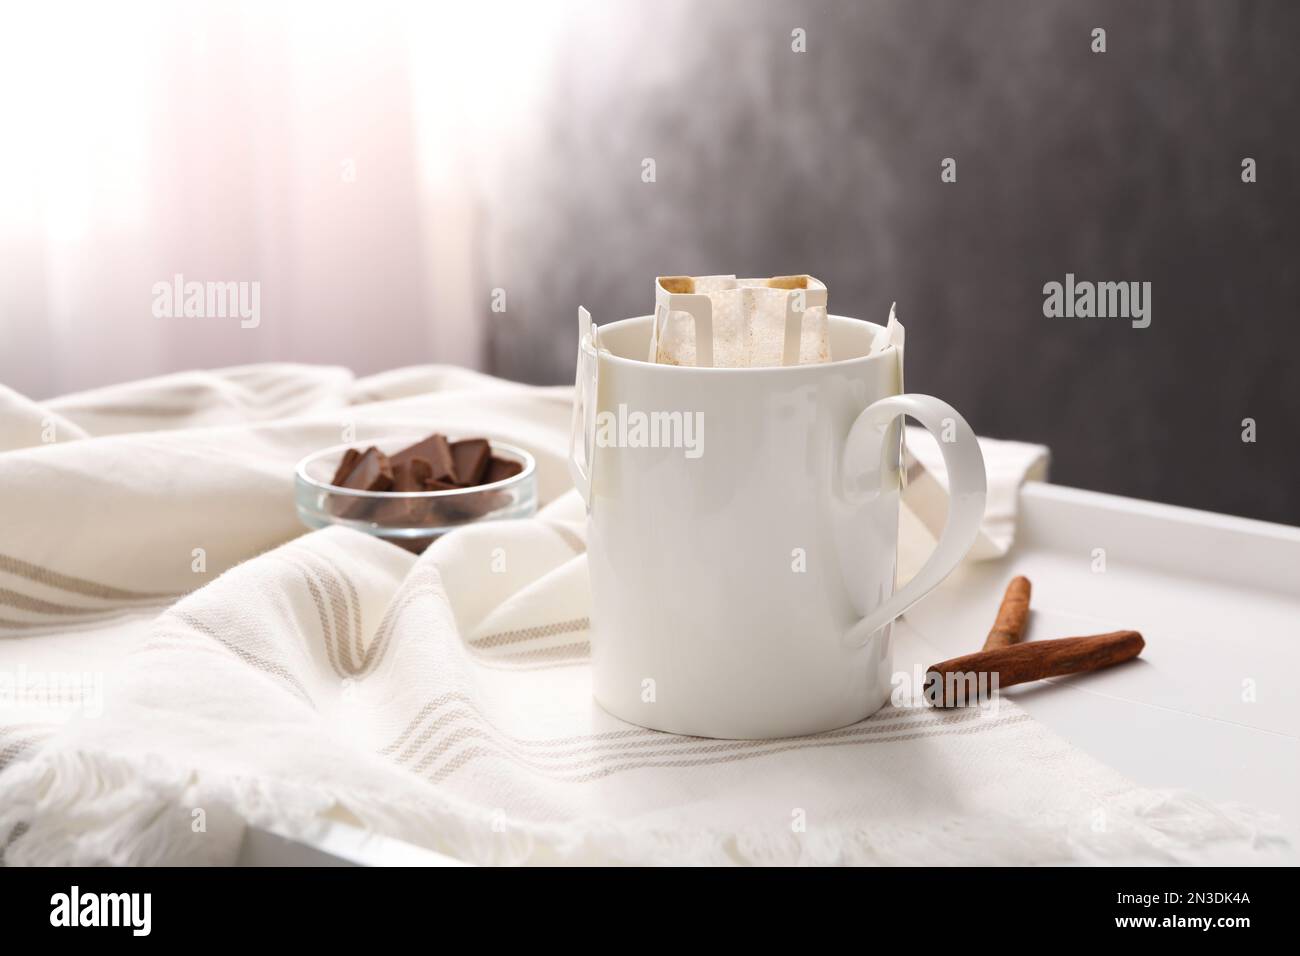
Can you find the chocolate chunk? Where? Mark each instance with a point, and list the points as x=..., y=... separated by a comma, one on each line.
x=350, y=458
x=408, y=476
x=470, y=458
x=475, y=505
x=436, y=452
x=372, y=472
x=418, y=475
x=440, y=510
x=499, y=469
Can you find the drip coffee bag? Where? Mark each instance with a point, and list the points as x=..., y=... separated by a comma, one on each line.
x=727, y=322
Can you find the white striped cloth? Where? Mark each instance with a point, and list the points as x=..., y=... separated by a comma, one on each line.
x=180, y=658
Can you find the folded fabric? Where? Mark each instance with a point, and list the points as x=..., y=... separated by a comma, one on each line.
x=1008, y=465
x=231, y=669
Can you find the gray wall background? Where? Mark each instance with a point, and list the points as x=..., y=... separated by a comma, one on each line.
x=1117, y=166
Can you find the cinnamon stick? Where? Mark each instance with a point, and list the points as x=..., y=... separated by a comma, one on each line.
x=1013, y=615
x=965, y=679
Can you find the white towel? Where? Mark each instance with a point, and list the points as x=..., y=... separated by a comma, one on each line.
x=181, y=658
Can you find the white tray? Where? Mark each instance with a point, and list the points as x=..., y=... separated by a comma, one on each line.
x=1218, y=601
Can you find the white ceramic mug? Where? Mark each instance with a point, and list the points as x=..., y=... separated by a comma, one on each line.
x=743, y=582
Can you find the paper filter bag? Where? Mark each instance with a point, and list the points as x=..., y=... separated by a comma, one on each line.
x=727, y=322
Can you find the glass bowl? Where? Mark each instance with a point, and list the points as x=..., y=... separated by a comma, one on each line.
x=409, y=519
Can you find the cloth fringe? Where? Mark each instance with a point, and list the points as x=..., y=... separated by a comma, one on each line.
x=79, y=808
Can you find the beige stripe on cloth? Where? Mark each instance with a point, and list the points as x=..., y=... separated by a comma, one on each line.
x=75, y=585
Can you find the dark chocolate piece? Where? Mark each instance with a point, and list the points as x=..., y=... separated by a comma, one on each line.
x=499, y=469
x=372, y=472
x=470, y=458
x=472, y=506
x=408, y=476
x=418, y=475
x=436, y=452
x=350, y=458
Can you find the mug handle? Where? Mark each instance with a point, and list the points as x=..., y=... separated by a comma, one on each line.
x=967, y=487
